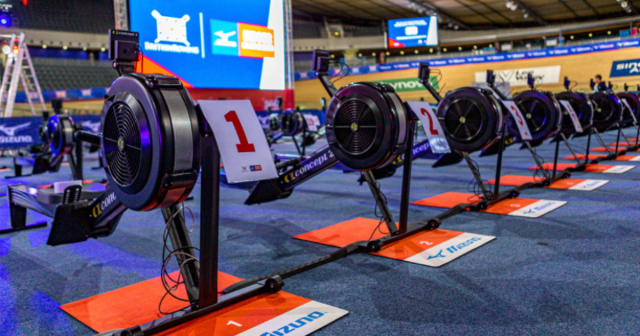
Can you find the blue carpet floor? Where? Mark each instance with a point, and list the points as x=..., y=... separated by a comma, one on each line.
x=574, y=271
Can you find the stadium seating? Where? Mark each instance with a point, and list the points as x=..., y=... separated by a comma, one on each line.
x=58, y=74
x=93, y=16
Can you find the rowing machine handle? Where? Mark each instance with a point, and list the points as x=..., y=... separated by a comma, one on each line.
x=87, y=137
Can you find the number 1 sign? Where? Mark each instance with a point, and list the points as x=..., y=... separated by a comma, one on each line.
x=241, y=141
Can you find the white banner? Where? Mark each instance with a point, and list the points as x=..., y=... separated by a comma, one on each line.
x=516, y=77
x=241, y=140
x=525, y=134
x=572, y=115
x=432, y=127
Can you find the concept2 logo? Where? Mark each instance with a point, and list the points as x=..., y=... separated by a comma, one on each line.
x=242, y=39
x=299, y=323
x=100, y=207
x=10, y=132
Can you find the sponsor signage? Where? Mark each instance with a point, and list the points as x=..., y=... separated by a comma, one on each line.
x=521, y=207
x=434, y=248
x=430, y=248
x=410, y=84
x=18, y=132
x=625, y=68
x=500, y=57
x=518, y=77
x=241, y=140
x=432, y=127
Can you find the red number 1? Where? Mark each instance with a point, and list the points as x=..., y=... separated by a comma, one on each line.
x=244, y=146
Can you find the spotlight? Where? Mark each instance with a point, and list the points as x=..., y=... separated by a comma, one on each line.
x=526, y=15
x=359, y=54
x=475, y=47
x=571, y=37
x=5, y=20
x=44, y=46
x=64, y=47
x=373, y=54
x=445, y=49
x=84, y=48
x=609, y=32
x=431, y=50
x=387, y=53
x=415, y=51
x=333, y=56
x=401, y=52
x=590, y=35
x=459, y=48
x=102, y=49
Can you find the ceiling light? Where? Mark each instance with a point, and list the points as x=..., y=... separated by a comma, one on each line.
x=445, y=49
x=84, y=48
x=415, y=51
x=459, y=48
x=6, y=49
x=571, y=37
x=102, y=49
x=401, y=52
x=373, y=54
x=44, y=46
x=430, y=50
x=388, y=53
x=359, y=55
x=64, y=47
x=526, y=15
x=475, y=47
x=590, y=35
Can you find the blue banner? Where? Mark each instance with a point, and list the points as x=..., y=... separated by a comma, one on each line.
x=19, y=132
x=500, y=57
x=625, y=68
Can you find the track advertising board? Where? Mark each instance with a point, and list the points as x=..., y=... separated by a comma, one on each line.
x=414, y=32
x=213, y=44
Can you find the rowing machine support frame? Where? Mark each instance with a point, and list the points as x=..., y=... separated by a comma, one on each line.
x=202, y=284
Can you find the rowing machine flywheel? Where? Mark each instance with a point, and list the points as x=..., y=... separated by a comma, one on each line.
x=274, y=122
x=367, y=125
x=472, y=119
x=292, y=122
x=151, y=141
x=59, y=131
x=608, y=111
x=541, y=111
x=634, y=103
x=582, y=106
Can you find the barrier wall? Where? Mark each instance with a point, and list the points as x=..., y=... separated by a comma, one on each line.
x=578, y=67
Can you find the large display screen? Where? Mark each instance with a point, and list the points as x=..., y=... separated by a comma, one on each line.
x=213, y=44
x=415, y=32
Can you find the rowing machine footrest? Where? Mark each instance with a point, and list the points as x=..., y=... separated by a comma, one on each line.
x=266, y=191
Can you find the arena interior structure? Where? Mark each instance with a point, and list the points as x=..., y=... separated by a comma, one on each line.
x=326, y=167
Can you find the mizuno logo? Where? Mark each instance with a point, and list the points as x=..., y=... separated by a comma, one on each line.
x=438, y=255
x=299, y=323
x=11, y=130
x=94, y=127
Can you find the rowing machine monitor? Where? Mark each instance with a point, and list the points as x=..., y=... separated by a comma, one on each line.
x=567, y=83
x=423, y=75
x=123, y=50
x=592, y=84
x=491, y=78
x=320, y=65
x=530, y=80
x=626, y=87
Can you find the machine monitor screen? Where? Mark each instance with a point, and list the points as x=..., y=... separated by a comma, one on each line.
x=414, y=32
x=213, y=44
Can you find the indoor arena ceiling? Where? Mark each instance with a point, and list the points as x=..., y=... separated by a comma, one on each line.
x=468, y=13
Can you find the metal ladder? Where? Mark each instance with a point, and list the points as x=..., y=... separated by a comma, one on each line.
x=19, y=69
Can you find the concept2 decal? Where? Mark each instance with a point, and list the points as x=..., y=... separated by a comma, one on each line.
x=193, y=40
